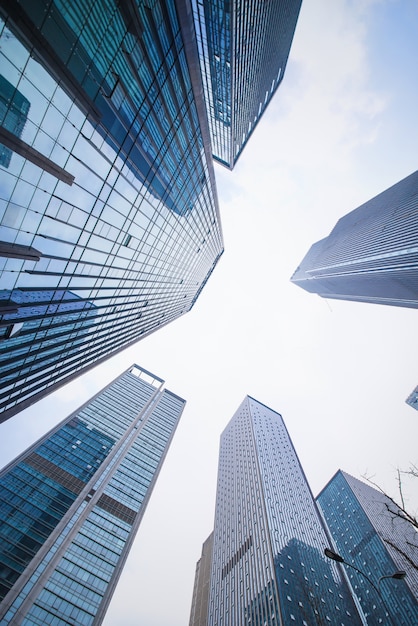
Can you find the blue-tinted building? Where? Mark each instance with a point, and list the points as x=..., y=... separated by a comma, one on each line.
x=13, y=112
x=371, y=534
x=107, y=190
x=243, y=50
x=412, y=399
x=371, y=255
x=73, y=502
x=44, y=315
x=268, y=564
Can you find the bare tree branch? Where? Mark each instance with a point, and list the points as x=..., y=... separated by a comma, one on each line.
x=399, y=510
x=400, y=489
x=405, y=556
x=413, y=545
x=413, y=471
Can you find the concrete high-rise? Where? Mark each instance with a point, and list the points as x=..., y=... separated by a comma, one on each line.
x=371, y=255
x=269, y=537
x=371, y=533
x=109, y=221
x=200, y=598
x=243, y=50
x=73, y=502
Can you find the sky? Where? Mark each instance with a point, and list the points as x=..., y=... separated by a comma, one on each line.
x=341, y=129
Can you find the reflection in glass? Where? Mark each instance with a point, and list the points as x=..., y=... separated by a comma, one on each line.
x=268, y=563
x=377, y=543
x=71, y=504
x=120, y=202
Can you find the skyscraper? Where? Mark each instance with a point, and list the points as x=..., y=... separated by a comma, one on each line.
x=200, y=599
x=73, y=502
x=371, y=533
x=268, y=562
x=243, y=50
x=412, y=399
x=371, y=255
x=109, y=221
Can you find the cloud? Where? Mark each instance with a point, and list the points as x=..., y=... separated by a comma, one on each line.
x=325, y=106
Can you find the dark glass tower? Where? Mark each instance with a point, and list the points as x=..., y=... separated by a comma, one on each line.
x=108, y=200
x=370, y=534
x=268, y=563
x=243, y=50
x=371, y=255
x=73, y=502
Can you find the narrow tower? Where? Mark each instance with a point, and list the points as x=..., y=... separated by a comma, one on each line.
x=73, y=502
x=269, y=539
x=199, y=610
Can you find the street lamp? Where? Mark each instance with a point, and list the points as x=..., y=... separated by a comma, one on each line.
x=333, y=555
x=398, y=575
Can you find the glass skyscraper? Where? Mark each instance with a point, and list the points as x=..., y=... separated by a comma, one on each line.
x=370, y=534
x=109, y=221
x=243, y=50
x=268, y=546
x=73, y=502
x=412, y=399
x=371, y=255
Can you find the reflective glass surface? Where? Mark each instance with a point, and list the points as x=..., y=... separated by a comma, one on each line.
x=13, y=115
x=268, y=562
x=412, y=399
x=371, y=255
x=378, y=544
x=243, y=51
x=104, y=175
x=72, y=504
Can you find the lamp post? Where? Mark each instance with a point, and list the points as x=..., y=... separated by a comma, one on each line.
x=398, y=575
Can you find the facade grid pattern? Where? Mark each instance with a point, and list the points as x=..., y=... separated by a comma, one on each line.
x=73, y=502
x=120, y=238
x=371, y=255
x=243, y=52
x=268, y=563
x=200, y=598
x=412, y=399
x=369, y=534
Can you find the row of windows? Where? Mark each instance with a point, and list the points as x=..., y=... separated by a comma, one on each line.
x=75, y=228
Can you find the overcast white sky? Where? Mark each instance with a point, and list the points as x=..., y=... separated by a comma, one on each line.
x=342, y=128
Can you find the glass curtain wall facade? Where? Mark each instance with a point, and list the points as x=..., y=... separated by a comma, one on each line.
x=412, y=399
x=73, y=502
x=371, y=255
x=268, y=562
x=107, y=194
x=369, y=534
x=243, y=50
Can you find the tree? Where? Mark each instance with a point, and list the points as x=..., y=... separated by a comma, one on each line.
x=397, y=509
